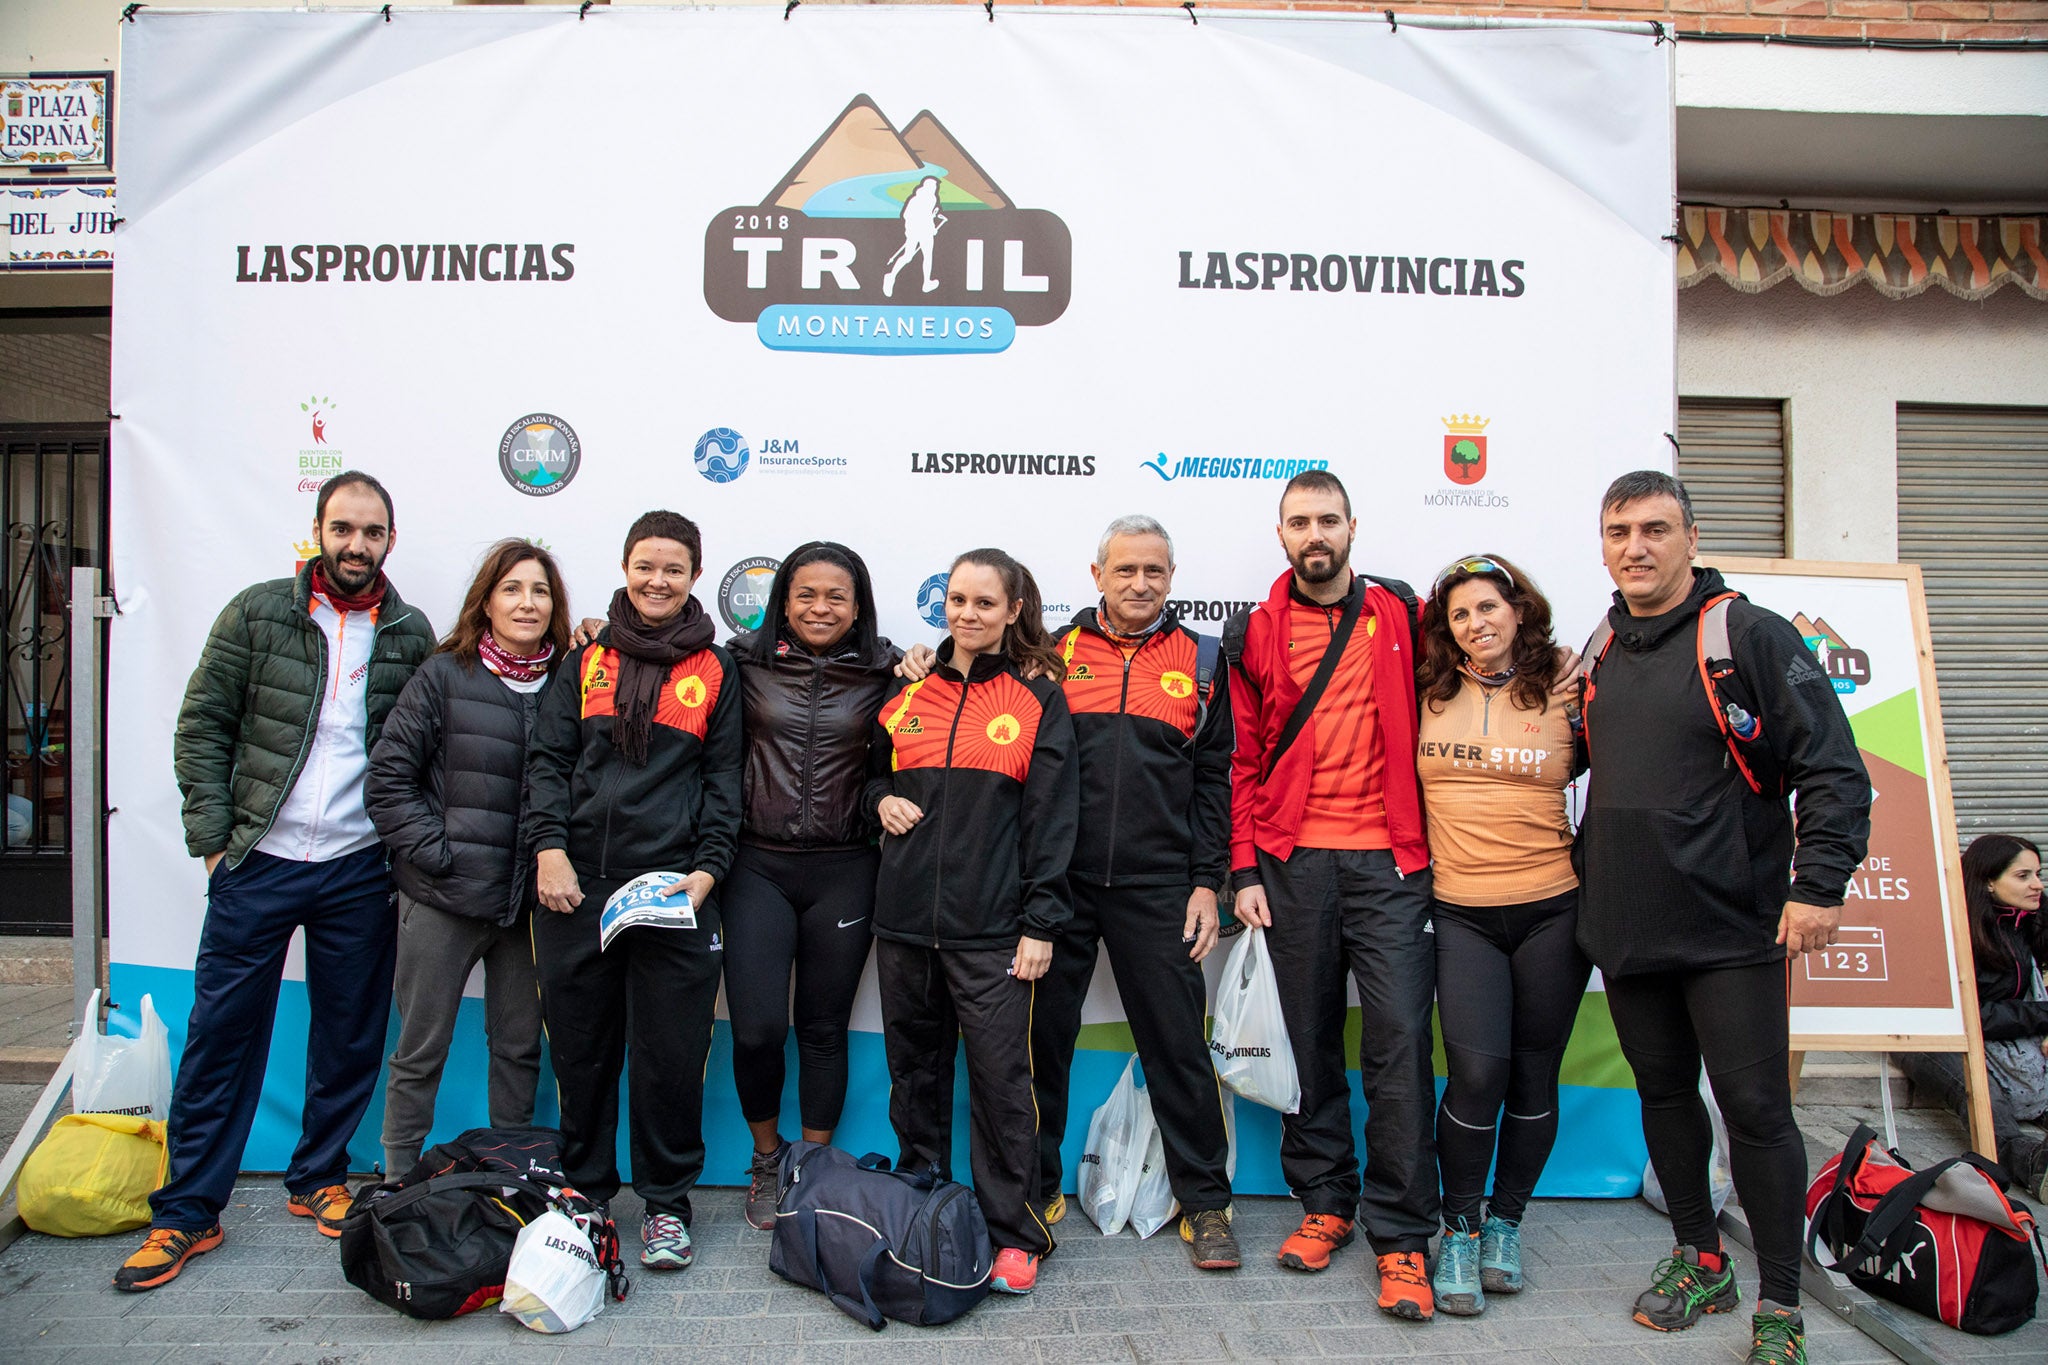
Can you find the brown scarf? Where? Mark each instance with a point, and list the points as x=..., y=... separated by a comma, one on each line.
x=648, y=653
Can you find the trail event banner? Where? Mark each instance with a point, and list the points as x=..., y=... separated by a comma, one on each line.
x=904, y=278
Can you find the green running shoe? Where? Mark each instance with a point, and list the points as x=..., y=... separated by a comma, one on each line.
x=1500, y=1256
x=1681, y=1290
x=1778, y=1335
x=1456, y=1283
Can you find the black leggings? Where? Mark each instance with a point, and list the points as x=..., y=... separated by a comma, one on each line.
x=1737, y=1020
x=807, y=912
x=1509, y=981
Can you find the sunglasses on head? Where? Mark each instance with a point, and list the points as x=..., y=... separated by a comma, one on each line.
x=1478, y=564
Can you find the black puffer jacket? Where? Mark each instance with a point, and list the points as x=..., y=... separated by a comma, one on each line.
x=2002, y=992
x=447, y=788
x=808, y=722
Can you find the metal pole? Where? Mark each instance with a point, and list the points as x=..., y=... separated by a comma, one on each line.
x=88, y=794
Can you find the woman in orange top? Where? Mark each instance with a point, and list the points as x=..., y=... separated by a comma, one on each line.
x=1495, y=752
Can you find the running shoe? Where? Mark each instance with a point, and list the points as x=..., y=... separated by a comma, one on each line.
x=326, y=1206
x=162, y=1255
x=1457, y=1285
x=1681, y=1290
x=665, y=1242
x=764, y=1187
x=1404, y=1286
x=1055, y=1209
x=1210, y=1241
x=1312, y=1244
x=1500, y=1256
x=1016, y=1272
x=1778, y=1335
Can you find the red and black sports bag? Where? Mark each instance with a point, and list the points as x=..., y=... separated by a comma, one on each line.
x=1947, y=1242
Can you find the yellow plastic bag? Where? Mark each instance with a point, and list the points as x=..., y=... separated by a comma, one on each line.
x=93, y=1175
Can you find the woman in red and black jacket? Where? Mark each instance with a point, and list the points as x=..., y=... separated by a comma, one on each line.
x=634, y=767
x=972, y=777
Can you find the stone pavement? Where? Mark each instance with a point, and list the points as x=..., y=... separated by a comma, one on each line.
x=275, y=1293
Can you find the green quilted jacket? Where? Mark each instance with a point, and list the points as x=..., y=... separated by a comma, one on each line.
x=253, y=702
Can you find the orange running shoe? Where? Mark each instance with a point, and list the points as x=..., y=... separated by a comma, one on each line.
x=326, y=1206
x=1404, y=1286
x=162, y=1255
x=1312, y=1244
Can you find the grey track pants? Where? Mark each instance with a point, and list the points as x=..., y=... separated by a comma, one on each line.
x=436, y=951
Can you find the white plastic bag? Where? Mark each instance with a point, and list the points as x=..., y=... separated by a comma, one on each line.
x=1152, y=1203
x=1115, y=1154
x=554, y=1283
x=113, y=1075
x=1720, y=1178
x=1253, y=1056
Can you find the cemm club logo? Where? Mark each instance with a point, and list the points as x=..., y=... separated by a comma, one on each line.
x=882, y=241
x=539, y=454
x=743, y=592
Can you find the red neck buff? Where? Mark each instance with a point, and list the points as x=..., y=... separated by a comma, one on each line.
x=521, y=668
x=363, y=601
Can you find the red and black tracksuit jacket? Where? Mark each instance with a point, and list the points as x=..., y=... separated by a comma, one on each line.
x=680, y=812
x=989, y=758
x=1155, y=755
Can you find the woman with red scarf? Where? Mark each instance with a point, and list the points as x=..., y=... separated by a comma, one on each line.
x=447, y=790
x=635, y=768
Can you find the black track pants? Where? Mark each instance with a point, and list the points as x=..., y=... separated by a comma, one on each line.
x=1164, y=998
x=1508, y=983
x=1737, y=1020
x=805, y=914
x=1337, y=912
x=932, y=999
x=647, y=1000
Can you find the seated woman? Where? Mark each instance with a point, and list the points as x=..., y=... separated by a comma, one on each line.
x=447, y=790
x=2009, y=938
x=973, y=780
x=635, y=768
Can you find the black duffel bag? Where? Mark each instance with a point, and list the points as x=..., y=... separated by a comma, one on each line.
x=435, y=1243
x=879, y=1243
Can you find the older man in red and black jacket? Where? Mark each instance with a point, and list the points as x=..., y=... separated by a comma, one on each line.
x=1153, y=743
x=1329, y=856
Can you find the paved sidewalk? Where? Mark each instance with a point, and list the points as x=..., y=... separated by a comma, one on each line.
x=275, y=1293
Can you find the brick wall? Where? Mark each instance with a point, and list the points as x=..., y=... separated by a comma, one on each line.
x=1926, y=19
x=53, y=377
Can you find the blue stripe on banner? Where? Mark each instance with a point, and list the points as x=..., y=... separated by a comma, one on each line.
x=1599, y=1152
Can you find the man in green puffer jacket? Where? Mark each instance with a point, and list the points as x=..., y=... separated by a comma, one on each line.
x=272, y=748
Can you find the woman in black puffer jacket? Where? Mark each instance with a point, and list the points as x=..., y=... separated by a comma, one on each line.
x=447, y=790
x=802, y=887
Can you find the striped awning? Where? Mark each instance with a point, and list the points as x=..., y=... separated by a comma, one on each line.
x=1897, y=254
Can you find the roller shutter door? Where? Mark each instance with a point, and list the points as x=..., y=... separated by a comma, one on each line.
x=1731, y=458
x=1969, y=516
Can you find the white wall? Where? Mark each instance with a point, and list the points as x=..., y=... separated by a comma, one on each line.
x=1842, y=365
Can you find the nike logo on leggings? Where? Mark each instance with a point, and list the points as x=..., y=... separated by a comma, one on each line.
x=849, y=923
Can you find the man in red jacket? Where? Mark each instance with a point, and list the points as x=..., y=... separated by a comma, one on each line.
x=1329, y=857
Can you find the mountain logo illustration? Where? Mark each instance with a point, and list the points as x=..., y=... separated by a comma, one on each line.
x=539, y=454
x=1847, y=668
x=881, y=241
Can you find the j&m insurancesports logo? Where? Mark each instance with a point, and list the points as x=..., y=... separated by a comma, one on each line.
x=882, y=242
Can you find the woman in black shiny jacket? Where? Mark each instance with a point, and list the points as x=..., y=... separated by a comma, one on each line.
x=802, y=888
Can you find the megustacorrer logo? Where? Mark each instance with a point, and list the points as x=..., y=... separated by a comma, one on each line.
x=887, y=242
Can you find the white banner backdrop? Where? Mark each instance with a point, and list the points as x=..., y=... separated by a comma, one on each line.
x=904, y=278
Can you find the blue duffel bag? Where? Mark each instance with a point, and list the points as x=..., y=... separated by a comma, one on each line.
x=880, y=1243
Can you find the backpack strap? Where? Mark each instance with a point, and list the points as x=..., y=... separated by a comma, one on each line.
x=1717, y=661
